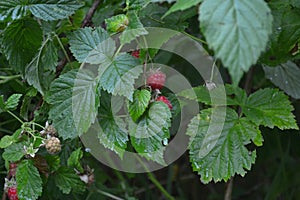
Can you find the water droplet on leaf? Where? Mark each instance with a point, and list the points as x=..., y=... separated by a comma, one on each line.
x=165, y=141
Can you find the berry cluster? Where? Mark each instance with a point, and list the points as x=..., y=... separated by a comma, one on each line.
x=53, y=145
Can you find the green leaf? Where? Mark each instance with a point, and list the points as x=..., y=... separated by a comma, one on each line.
x=161, y=1
x=182, y=5
x=118, y=78
x=92, y=45
x=270, y=107
x=286, y=77
x=21, y=40
x=6, y=141
x=74, y=99
x=286, y=34
x=137, y=107
x=12, y=102
x=112, y=133
x=44, y=9
x=134, y=29
x=117, y=23
x=136, y=4
x=237, y=31
x=29, y=181
x=74, y=160
x=14, y=152
x=66, y=180
x=151, y=132
x=217, y=147
x=37, y=73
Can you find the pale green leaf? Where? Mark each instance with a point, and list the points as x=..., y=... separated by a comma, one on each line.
x=92, y=45
x=116, y=23
x=44, y=9
x=29, y=181
x=136, y=4
x=217, y=147
x=150, y=133
x=286, y=77
x=182, y=5
x=6, y=141
x=14, y=152
x=12, y=101
x=270, y=107
x=237, y=31
x=73, y=96
x=119, y=76
x=74, y=160
x=112, y=133
x=66, y=180
x=21, y=40
x=137, y=107
x=134, y=29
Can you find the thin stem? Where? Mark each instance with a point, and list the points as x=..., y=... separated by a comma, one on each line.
x=229, y=190
x=195, y=38
x=212, y=71
x=38, y=125
x=119, y=49
x=62, y=48
x=12, y=114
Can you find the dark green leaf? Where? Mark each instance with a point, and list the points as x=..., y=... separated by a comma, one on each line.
x=66, y=180
x=12, y=102
x=182, y=5
x=74, y=160
x=137, y=107
x=74, y=99
x=29, y=181
x=270, y=107
x=237, y=31
x=118, y=78
x=2, y=104
x=21, y=40
x=151, y=132
x=14, y=152
x=137, y=4
x=286, y=77
x=217, y=147
x=92, y=45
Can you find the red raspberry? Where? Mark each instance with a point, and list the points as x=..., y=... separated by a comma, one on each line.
x=12, y=193
x=136, y=53
x=12, y=169
x=165, y=100
x=156, y=79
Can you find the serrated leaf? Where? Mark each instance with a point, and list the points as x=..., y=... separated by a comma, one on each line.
x=12, y=101
x=136, y=4
x=116, y=23
x=112, y=133
x=21, y=40
x=119, y=76
x=92, y=45
x=151, y=131
x=182, y=5
x=14, y=152
x=217, y=147
x=66, y=180
x=286, y=77
x=73, y=96
x=74, y=160
x=134, y=29
x=137, y=107
x=44, y=9
x=237, y=31
x=6, y=141
x=270, y=107
x=29, y=181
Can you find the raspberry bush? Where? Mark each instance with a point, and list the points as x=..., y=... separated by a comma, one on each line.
x=69, y=65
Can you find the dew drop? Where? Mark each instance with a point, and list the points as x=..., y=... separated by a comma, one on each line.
x=208, y=145
x=279, y=28
x=206, y=173
x=196, y=165
x=87, y=150
x=250, y=153
x=275, y=75
x=286, y=82
x=165, y=141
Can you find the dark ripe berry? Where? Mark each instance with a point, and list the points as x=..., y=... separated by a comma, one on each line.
x=12, y=169
x=12, y=193
x=136, y=53
x=156, y=79
x=53, y=145
x=165, y=100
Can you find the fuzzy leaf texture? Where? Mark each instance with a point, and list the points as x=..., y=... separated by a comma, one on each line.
x=112, y=133
x=29, y=181
x=137, y=107
x=119, y=76
x=151, y=133
x=43, y=9
x=14, y=152
x=67, y=180
x=237, y=31
x=286, y=77
x=217, y=147
x=270, y=107
x=73, y=96
x=93, y=46
x=21, y=40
